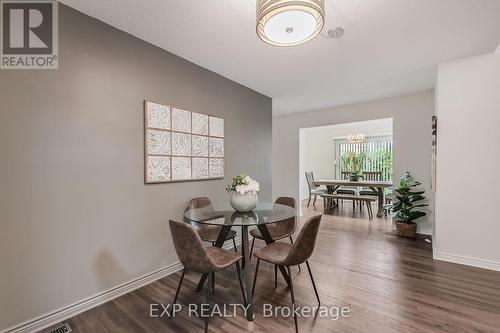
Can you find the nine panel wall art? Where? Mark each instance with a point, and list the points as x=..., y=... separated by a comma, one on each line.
x=181, y=145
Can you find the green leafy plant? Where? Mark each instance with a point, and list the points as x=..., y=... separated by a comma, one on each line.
x=353, y=162
x=406, y=198
x=381, y=160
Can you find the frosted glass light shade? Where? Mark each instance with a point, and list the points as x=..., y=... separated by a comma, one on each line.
x=289, y=22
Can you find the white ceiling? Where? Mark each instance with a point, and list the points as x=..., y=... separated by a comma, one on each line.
x=391, y=47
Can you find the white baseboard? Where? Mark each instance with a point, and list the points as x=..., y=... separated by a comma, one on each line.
x=66, y=312
x=468, y=261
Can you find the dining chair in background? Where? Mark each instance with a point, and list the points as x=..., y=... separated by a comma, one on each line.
x=279, y=230
x=366, y=191
x=208, y=233
x=347, y=190
x=314, y=190
x=194, y=257
x=370, y=176
x=287, y=255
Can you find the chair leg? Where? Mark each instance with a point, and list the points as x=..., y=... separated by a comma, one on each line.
x=213, y=283
x=179, y=286
x=370, y=211
x=314, y=284
x=255, y=277
x=293, y=299
x=251, y=250
x=238, y=271
x=309, y=201
x=210, y=279
x=234, y=243
x=291, y=241
x=314, y=201
x=275, y=276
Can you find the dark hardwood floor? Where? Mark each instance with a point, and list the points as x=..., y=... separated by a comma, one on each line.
x=390, y=284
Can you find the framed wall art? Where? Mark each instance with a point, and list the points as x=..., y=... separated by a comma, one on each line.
x=181, y=145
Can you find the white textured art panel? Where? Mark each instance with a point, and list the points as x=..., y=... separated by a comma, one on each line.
x=216, y=127
x=181, y=120
x=158, y=169
x=200, y=124
x=216, y=167
x=181, y=168
x=181, y=144
x=158, y=116
x=216, y=147
x=158, y=142
x=200, y=146
x=200, y=168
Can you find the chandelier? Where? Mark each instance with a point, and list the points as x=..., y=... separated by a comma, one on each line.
x=289, y=22
x=356, y=138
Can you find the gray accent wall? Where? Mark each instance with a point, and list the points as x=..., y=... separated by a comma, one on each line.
x=412, y=121
x=76, y=216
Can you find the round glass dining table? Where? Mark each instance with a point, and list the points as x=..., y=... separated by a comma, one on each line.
x=264, y=214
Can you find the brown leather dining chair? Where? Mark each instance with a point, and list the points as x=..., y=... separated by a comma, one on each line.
x=193, y=256
x=208, y=233
x=287, y=255
x=278, y=230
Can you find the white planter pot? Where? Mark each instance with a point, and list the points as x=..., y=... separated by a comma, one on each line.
x=243, y=203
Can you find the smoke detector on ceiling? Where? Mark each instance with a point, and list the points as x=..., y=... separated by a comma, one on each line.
x=334, y=33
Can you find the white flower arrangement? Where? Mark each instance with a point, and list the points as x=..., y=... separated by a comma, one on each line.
x=243, y=184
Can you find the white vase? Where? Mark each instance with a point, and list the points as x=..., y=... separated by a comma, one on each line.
x=243, y=203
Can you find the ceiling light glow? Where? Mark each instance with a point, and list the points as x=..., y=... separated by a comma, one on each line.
x=289, y=22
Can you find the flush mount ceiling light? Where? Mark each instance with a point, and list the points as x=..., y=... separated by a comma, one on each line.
x=289, y=22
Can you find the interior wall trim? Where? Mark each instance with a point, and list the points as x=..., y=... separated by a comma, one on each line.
x=59, y=315
x=64, y=313
x=468, y=261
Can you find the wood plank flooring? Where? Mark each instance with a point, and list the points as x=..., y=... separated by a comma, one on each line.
x=390, y=284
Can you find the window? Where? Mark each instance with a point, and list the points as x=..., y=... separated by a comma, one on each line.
x=379, y=151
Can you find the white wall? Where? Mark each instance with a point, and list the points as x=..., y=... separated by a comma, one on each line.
x=318, y=153
x=468, y=162
x=412, y=121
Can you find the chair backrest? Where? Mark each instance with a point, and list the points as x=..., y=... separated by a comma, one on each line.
x=345, y=175
x=287, y=201
x=286, y=227
x=303, y=246
x=189, y=248
x=310, y=179
x=372, y=175
x=200, y=202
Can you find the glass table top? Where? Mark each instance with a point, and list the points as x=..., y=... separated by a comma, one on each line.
x=264, y=213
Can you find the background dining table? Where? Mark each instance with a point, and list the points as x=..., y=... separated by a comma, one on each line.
x=377, y=186
x=264, y=214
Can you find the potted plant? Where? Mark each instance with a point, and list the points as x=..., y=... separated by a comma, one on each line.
x=405, y=204
x=243, y=191
x=353, y=163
